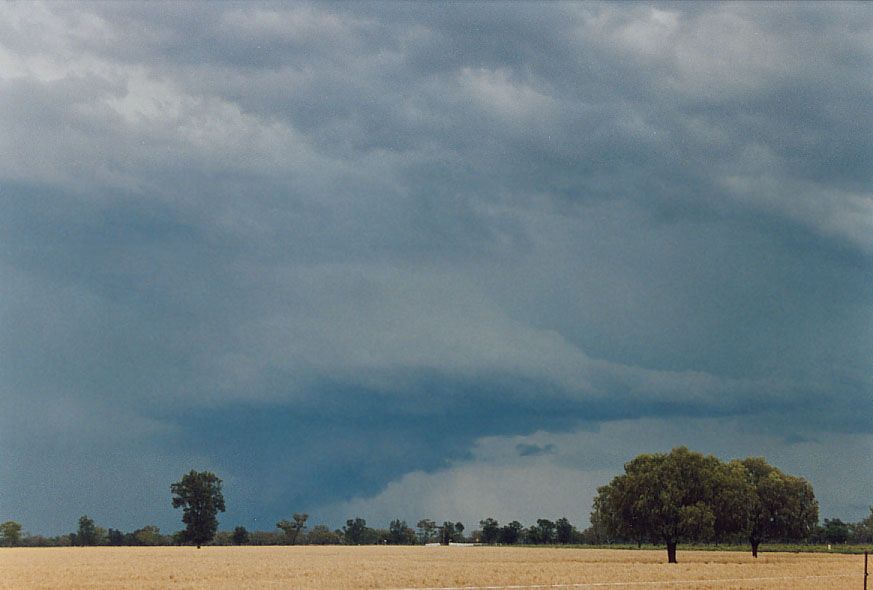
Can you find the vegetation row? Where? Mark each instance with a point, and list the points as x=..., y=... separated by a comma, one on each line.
x=660, y=499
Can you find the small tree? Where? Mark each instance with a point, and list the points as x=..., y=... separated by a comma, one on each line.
x=452, y=532
x=543, y=533
x=510, y=533
x=490, y=531
x=355, y=531
x=115, y=537
x=87, y=533
x=148, y=535
x=447, y=532
x=564, y=531
x=862, y=532
x=240, y=536
x=292, y=529
x=199, y=495
x=835, y=531
x=10, y=533
x=400, y=534
x=322, y=535
x=426, y=529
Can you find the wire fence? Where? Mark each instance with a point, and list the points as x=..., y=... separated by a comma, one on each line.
x=634, y=584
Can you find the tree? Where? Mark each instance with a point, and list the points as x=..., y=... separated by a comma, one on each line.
x=199, y=495
x=240, y=536
x=321, y=535
x=510, y=533
x=543, y=533
x=115, y=537
x=612, y=518
x=10, y=533
x=148, y=535
x=452, y=532
x=862, y=532
x=835, y=531
x=400, y=534
x=426, y=529
x=564, y=531
x=355, y=531
x=735, y=496
x=490, y=530
x=780, y=506
x=292, y=529
x=668, y=497
x=599, y=533
x=592, y=535
x=447, y=532
x=87, y=533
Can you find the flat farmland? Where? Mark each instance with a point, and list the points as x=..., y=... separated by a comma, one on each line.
x=323, y=568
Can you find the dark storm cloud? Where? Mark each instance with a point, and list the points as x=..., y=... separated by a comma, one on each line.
x=525, y=450
x=317, y=247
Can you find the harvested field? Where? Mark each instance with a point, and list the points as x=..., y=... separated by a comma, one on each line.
x=323, y=568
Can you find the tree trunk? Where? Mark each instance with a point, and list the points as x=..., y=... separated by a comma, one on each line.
x=755, y=544
x=671, y=552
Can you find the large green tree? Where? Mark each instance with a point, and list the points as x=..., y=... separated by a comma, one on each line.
x=731, y=503
x=780, y=506
x=199, y=495
x=664, y=497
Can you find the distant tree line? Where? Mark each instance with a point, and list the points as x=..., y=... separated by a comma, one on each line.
x=667, y=498
x=490, y=532
x=356, y=532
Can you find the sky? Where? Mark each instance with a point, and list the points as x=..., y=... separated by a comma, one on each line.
x=407, y=260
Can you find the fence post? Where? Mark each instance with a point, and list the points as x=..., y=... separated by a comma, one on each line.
x=865, y=570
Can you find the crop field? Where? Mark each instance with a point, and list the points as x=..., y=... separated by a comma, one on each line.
x=323, y=568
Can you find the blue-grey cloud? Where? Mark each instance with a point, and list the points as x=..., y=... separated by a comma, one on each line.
x=318, y=247
x=529, y=450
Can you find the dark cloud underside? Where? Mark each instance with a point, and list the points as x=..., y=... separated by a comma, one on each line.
x=319, y=248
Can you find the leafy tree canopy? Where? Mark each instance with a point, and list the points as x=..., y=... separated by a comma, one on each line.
x=666, y=497
x=199, y=495
x=10, y=533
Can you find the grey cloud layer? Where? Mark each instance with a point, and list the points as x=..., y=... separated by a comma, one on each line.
x=554, y=479
x=616, y=209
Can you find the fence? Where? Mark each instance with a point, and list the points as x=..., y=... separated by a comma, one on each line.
x=664, y=583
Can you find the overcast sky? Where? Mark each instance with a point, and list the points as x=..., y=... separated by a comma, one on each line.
x=428, y=260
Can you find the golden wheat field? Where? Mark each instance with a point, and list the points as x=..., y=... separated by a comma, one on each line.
x=324, y=568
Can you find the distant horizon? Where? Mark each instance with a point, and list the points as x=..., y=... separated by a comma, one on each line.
x=394, y=260
x=373, y=523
